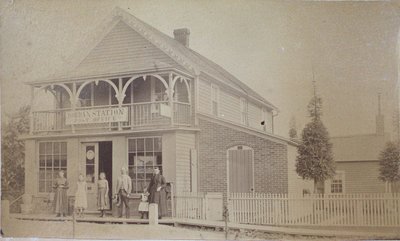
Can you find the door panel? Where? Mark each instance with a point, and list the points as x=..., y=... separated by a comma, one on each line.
x=90, y=162
x=240, y=170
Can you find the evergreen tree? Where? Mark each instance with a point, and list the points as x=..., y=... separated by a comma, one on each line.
x=13, y=153
x=315, y=158
x=389, y=161
x=293, y=128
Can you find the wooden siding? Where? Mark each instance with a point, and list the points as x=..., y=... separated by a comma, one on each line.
x=204, y=96
x=229, y=107
x=361, y=177
x=254, y=115
x=184, y=143
x=123, y=46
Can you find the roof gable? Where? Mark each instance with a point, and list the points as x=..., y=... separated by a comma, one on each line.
x=123, y=31
x=123, y=49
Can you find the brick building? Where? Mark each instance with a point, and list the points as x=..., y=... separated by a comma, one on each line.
x=134, y=97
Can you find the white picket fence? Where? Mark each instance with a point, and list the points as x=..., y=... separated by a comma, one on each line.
x=190, y=205
x=380, y=209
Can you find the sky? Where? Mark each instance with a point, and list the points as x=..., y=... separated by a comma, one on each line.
x=275, y=47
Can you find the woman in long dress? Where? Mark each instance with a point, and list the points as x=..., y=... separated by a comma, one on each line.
x=102, y=192
x=60, y=197
x=157, y=192
x=81, y=196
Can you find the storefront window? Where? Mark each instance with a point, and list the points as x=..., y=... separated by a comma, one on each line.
x=52, y=159
x=144, y=154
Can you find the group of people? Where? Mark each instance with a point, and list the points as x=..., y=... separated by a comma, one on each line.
x=61, y=200
x=154, y=193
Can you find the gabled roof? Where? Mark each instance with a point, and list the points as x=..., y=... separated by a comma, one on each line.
x=189, y=60
x=358, y=147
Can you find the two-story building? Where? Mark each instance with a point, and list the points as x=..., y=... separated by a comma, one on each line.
x=134, y=97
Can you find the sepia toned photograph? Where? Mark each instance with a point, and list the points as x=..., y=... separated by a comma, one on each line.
x=200, y=119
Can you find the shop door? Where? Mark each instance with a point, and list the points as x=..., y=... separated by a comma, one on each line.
x=91, y=162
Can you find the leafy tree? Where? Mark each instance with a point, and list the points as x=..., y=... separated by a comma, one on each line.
x=292, y=128
x=13, y=153
x=315, y=159
x=389, y=162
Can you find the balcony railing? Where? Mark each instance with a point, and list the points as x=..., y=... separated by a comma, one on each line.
x=149, y=114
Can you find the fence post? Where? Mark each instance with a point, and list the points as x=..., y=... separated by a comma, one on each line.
x=153, y=214
x=205, y=205
x=73, y=223
x=5, y=210
x=173, y=214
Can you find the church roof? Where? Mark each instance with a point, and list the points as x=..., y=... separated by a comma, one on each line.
x=365, y=147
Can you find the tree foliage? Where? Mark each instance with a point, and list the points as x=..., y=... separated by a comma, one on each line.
x=315, y=158
x=13, y=152
x=389, y=161
x=292, y=128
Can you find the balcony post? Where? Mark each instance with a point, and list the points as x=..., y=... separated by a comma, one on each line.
x=32, y=97
x=73, y=100
x=170, y=95
x=120, y=99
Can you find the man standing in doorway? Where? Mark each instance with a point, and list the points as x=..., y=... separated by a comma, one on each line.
x=124, y=187
x=157, y=192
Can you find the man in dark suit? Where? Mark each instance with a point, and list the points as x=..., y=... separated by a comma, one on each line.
x=157, y=192
x=124, y=187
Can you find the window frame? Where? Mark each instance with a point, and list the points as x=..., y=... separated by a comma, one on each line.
x=60, y=154
x=135, y=179
x=244, y=111
x=339, y=176
x=215, y=97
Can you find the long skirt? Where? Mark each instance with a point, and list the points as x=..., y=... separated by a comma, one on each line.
x=102, y=200
x=61, y=201
x=161, y=199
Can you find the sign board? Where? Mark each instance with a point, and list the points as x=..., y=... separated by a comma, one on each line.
x=165, y=110
x=90, y=116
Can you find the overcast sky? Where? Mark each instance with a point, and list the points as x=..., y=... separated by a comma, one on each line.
x=272, y=46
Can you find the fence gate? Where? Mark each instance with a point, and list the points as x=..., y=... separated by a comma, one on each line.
x=241, y=169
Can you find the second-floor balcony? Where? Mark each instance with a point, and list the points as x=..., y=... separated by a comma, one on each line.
x=138, y=102
x=139, y=115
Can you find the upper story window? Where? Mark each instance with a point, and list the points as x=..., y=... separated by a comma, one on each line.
x=264, y=117
x=214, y=99
x=100, y=94
x=243, y=111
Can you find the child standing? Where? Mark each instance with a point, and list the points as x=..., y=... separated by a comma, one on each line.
x=144, y=204
x=102, y=192
x=80, y=195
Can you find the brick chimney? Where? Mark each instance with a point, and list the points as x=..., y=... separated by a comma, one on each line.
x=380, y=119
x=182, y=36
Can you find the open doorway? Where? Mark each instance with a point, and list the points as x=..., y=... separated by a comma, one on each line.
x=105, y=164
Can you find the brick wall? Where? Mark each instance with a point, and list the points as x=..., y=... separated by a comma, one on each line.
x=270, y=159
